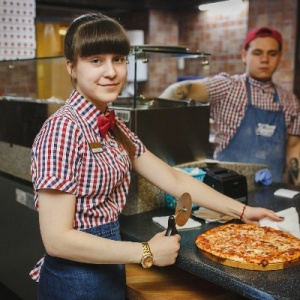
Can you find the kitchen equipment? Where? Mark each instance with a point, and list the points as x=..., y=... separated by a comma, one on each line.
x=175, y=131
x=227, y=182
x=182, y=213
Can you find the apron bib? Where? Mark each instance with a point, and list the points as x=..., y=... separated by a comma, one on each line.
x=261, y=139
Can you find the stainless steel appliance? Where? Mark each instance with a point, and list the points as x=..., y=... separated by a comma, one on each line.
x=176, y=131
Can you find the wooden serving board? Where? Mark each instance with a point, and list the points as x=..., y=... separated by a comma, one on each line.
x=250, y=266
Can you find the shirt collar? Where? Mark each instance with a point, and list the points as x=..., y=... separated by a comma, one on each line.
x=84, y=108
x=264, y=86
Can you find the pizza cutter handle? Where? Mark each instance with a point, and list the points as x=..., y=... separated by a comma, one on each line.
x=171, y=230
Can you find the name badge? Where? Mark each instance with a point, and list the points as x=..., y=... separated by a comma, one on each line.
x=265, y=129
x=96, y=147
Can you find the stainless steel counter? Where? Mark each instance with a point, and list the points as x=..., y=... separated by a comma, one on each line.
x=281, y=284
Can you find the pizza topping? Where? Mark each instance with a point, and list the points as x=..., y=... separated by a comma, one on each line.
x=264, y=262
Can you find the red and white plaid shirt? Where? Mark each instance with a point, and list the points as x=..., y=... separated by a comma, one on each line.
x=62, y=159
x=228, y=99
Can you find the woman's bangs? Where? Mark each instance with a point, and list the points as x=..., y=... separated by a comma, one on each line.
x=103, y=41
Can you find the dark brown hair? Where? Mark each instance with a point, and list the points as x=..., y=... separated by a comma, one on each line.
x=95, y=33
x=92, y=34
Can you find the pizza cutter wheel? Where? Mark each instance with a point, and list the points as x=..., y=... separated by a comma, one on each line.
x=182, y=213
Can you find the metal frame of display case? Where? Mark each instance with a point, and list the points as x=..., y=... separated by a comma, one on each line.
x=143, y=52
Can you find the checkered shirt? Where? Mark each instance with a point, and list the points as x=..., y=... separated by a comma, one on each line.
x=228, y=100
x=62, y=159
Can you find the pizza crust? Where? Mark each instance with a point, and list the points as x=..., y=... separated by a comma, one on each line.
x=251, y=266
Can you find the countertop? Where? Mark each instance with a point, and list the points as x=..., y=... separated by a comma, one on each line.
x=280, y=284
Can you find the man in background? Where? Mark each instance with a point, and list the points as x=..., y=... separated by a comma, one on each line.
x=256, y=120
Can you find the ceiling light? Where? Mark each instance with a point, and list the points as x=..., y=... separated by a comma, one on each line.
x=62, y=31
x=221, y=6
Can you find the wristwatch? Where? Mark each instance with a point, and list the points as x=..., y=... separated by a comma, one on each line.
x=147, y=259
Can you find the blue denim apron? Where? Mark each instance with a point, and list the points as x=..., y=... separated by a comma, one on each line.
x=63, y=279
x=261, y=138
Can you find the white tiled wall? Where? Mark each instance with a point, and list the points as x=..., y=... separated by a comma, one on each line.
x=17, y=29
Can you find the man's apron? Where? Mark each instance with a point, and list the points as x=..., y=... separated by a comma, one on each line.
x=261, y=138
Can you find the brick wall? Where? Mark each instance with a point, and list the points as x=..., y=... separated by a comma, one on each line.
x=222, y=36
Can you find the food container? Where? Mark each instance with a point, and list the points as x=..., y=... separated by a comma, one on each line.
x=197, y=173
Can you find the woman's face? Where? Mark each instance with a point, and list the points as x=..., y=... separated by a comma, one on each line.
x=99, y=78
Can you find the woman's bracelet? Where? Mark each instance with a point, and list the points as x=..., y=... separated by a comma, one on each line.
x=242, y=214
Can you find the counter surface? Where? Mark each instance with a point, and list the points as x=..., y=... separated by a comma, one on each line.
x=281, y=284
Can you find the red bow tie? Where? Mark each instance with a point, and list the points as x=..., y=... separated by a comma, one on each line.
x=106, y=122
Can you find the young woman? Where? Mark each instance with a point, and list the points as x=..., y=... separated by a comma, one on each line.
x=81, y=163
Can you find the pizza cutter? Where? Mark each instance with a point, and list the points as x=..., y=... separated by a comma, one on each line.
x=182, y=213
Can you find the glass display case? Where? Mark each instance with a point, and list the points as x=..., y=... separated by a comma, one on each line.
x=47, y=78
x=186, y=63
x=35, y=79
x=176, y=131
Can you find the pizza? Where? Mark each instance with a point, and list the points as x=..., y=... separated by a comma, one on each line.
x=250, y=246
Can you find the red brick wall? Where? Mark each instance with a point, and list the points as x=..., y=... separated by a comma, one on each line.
x=163, y=30
x=223, y=36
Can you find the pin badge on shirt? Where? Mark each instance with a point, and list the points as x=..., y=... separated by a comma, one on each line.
x=96, y=147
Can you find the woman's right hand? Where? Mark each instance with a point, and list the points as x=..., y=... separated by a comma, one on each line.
x=164, y=248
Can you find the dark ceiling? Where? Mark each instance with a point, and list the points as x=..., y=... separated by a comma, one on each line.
x=70, y=8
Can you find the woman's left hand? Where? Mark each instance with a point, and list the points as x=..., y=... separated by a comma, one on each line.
x=254, y=214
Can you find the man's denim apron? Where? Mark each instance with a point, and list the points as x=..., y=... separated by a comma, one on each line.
x=260, y=138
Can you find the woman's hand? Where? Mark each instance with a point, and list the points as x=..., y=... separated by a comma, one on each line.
x=254, y=214
x=164, y=248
